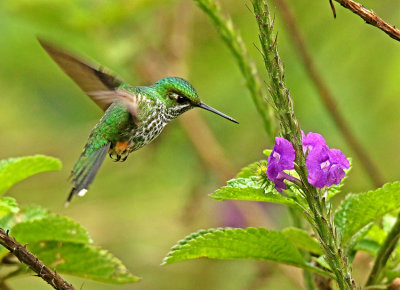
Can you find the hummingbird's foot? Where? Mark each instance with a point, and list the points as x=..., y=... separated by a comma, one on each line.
x=115, y=157
x=124, y=159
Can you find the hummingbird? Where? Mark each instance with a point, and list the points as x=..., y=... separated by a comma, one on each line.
x=133, y=115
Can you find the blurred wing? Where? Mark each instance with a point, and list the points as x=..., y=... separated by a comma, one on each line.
x=88, y=78
x=118, y=95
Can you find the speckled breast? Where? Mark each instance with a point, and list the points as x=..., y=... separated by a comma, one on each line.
x=149, y=128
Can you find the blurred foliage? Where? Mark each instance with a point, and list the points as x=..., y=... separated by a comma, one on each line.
x=126, y=211
x=57, y=241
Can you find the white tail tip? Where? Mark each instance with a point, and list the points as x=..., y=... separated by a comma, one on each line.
x=82, y=192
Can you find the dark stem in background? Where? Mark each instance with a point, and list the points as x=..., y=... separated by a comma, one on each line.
x=370, y=17
x=26, y=257
x=326, y=95
x=387, y=248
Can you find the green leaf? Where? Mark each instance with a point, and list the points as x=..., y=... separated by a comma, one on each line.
x=33, y=212
x=251, y=169
x=8, y=205
x=82, y=260
x=27, y=213
x=267, y=152
x=302, y=240
x=13, y=170
x=250, y=189
x=250, y=243
x=358, y=210
x=50, y=228
x=368, y=246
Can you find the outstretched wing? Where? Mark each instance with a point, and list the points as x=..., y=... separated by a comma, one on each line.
x=93, y=81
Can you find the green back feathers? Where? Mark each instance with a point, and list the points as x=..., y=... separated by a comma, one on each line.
x=106, y=133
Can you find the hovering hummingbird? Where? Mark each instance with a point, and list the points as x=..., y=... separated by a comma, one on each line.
x=134, y=116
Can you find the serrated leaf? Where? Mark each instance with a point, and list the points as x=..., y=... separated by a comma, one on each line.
x=250, y=189
x=50, y=228
x=33, y=212
x=251, y=169
x=27, y=213
x=227, y=243
x=250, y=243
x=358, y=210
x=302, y=240
x=82, y=260
x=13, y=170
x=8, y=205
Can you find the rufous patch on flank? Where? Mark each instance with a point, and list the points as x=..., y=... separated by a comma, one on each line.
x=120, y=147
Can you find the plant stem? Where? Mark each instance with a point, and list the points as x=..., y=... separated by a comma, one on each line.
x=280, y=97
x=370, y=17
x=327, y=97
x=388, y=246
x=234, y=41
x=26, y=257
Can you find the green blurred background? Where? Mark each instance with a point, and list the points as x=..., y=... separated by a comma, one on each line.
x=140, y=208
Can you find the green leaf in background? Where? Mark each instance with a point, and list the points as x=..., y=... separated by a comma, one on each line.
x=50, y=228
x=250, y=189
x=302, y=240
x=8, y=205
x=27, y=213
x=368, y=246
x=250, y=170
x=32, y=212
x=82, y=260
x=250, y=243
x=358, y=210
x=13, y=170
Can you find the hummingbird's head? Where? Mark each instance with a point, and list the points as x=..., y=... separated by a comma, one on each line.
x=180, y=96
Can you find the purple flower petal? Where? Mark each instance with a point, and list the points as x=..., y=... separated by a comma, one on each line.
x=281, y=158
x=312, y=140
x=318, y=165
x=326, y=166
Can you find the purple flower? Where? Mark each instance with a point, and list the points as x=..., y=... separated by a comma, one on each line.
x=279, y=184
x=281, y=158
x=326, y=166
x=312, y=140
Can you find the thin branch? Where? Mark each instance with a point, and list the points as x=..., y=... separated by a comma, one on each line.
x=333, y=8
x=385, y=251
x=370, y=17
x=26, y=257
x=327, y=97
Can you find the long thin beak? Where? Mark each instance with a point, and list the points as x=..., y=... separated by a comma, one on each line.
x=208, y=108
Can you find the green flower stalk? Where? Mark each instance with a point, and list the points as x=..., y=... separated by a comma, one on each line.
x=234, y=42
x=280, y=99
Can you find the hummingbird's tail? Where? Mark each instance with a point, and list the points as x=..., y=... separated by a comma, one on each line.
x=85, y=169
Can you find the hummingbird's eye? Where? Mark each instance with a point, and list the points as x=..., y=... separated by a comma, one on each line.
x=181, y=100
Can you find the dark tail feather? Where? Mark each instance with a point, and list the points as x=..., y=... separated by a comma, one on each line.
x=85, y=170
